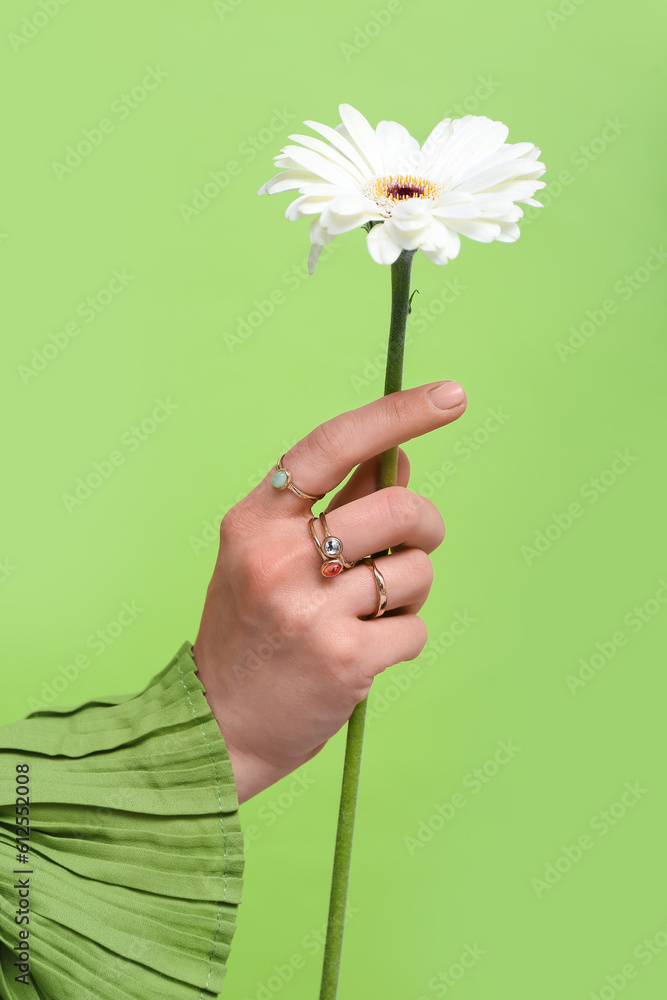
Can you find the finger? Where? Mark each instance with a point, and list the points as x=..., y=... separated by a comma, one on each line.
x=364, y=480
x=388, y=641
x=407, y=574
x=321, y=460
x=385, y=519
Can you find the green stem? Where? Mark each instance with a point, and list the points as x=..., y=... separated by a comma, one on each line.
x=393, y=381
x=400, y=297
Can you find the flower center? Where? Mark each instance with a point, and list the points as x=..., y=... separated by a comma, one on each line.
x=386, y=191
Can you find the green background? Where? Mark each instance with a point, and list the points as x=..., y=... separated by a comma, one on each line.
x=492, y=319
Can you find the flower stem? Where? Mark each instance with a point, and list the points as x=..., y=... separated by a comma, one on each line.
x=393, y=380
x=400, y=299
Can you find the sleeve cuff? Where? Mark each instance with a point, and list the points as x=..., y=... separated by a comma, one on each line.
x=136, y=844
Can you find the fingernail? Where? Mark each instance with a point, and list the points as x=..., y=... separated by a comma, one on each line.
x=447, y=394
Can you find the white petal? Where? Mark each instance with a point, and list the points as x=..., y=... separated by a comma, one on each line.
x=336, y=221
x=439, y=244
x=381, y=247
x=408, y=228
x=324, y=149
x=344, y=145
x=288, y=180
x=320, y=165
x=319, y=239
x=438, y=256
x=314, y=256
x=473, y=139
x=434, y=143
x=351, y=203
x=481, y=230
x=502, y=172
x=363, y=136
x=319, y=235
x=517, y=190
x=400, y=151
x=509, y=232
x=306, y=205
x=509, y=151
x=456, y=205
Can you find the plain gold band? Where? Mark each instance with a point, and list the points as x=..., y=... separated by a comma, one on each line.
x=381, y=589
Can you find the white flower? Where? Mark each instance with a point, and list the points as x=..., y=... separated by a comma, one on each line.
x=465, y=180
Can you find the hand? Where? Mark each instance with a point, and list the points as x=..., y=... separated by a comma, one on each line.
x=283, y=652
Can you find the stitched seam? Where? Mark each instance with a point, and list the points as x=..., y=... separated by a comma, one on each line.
x=224, y=837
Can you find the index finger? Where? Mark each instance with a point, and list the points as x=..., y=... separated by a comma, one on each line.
x=323, y=458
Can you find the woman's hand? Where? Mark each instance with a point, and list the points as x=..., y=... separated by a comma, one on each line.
x=282, y=651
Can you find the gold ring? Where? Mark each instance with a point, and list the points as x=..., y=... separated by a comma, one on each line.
x=282, y=480
x=381, y=589
x=331, y=549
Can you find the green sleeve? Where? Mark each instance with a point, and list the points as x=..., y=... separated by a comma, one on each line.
x=134, y=870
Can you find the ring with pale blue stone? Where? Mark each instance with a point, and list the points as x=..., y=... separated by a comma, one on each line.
x=331, y=549
x=282, y=480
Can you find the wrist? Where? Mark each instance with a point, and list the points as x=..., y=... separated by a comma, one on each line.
x=251, y=774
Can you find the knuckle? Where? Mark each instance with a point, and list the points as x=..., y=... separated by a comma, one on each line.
x=404, y=505
x=326, y=439
x=258, y=585
x=298, y=616
x=236, y=524
x=341, y=652
x=263, y=572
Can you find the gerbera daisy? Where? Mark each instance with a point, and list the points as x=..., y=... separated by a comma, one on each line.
x=464, y=181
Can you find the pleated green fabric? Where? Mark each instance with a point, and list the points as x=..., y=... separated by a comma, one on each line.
x=136, y=851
